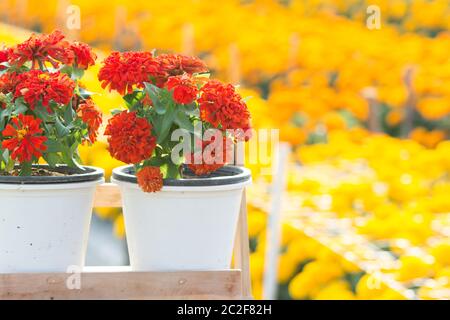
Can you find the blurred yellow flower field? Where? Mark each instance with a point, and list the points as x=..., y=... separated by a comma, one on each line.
x=397, y=200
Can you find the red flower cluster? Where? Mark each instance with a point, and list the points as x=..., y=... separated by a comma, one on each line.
x=130, y=138
x=213, y=159
x=223, y=107
x=25, y=141
x=184, y=89
x=177, y=64
x=90, y=115
x=123, y=71
x=150, y=179
x=52, y=48
x=37, y=85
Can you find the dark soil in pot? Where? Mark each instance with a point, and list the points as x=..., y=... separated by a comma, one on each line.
x=223, y=176
x=44, y=174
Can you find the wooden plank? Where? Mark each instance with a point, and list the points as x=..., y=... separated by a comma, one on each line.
x=108, y=195
x=242, y=250
x=123, y=285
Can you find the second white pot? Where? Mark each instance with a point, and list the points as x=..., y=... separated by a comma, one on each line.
x=189, y=225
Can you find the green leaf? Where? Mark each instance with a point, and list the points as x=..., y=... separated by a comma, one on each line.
x=54, y=146
x=133, y=100
x=9, y=96
x=173, y=171
x=67, y=70
x=154, y=162
x=156, y=94
x=74, y=147
x=20, y=106
x=25, y=168
x=166, y=123
x=160, y=109
x=183, y=121
x=129, y=98
x=68, y=158
x=69, y=113
x=52, y=158
x=61, y=129
x=10, y=165
x=5, y=155
x=5, y=113
x=41, y=112
x=191, y=109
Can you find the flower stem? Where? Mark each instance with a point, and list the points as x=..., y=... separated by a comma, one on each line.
x=25, y=168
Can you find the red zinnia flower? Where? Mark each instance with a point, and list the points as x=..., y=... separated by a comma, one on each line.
x=25, y=141
x=4, y=57
x=184, y=89
x=37, y=85
x=150, y=179
x=90, y=115
x=223, y=107
x=210, y=160
x=123, y=71
x=130, y=138
x=52, y=48
x=8, y=82
x=177, y=64
x=84, y=56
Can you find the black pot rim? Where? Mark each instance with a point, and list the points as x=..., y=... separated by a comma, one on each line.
x=75, y=175
x=224, y=176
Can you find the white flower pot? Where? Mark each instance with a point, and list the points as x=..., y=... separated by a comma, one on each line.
x=44, y=221
x=189, y=225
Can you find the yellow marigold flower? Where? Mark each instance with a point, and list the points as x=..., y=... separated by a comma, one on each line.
x=413, y=267
x=370, y=286
x=288, y=233
x=334, y=121
x=441, y=253
x=434, y=108
x=294, y=135
x=301, y=249
x=394, y=118
x=335, y=290
x=429, y=139
x=301, y=286
x=286, y=267
x=256, y=222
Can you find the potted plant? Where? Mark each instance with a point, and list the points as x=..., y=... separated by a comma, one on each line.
x=180, y=201
x=45, y=114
